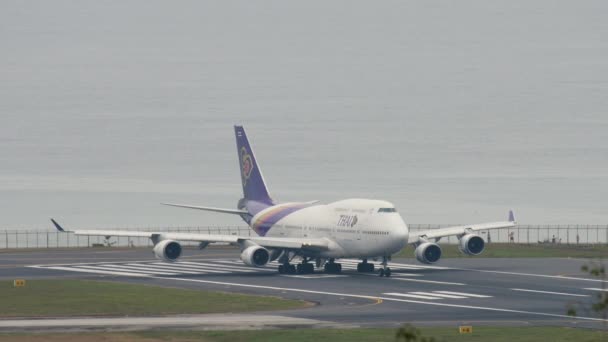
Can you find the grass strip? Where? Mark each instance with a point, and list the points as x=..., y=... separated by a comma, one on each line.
x=41, y=298
x=512, y=250
x=496, y=334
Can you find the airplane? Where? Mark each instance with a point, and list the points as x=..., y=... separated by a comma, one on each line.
x=310, y=231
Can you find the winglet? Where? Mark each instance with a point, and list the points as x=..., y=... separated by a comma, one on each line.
x=511, y=216
x=59, y=228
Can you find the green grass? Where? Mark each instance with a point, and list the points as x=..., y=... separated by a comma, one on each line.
x=512, y=250
x=498, y=334
x=98, y=298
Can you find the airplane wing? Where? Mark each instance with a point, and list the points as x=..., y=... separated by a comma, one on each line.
x=269, y=242
x=217, y=210
x=436, y=234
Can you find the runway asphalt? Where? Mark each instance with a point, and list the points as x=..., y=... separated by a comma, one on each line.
x=477, y=291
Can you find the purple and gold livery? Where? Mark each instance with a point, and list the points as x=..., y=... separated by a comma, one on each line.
x=264, y=220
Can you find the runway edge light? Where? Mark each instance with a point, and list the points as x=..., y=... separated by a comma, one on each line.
x=19, y=283
x=466, y=329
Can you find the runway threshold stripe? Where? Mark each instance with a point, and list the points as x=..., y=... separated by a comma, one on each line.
x=197, y=269
x=76, y=269
x=177, y=265
x=242, y=268
x=411, y=295
x=108, y=268
x=464, y=294
x=438, y=295
x=429, y=281
x=595, y=289
x=551, y=292
x=115, y=267
x=154, y=268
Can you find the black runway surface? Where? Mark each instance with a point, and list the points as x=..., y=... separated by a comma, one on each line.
x=478, y=291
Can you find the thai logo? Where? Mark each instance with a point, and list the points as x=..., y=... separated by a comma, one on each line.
x=247, y=165
x=347, y=220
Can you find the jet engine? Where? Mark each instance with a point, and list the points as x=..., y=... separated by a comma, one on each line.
x=471, y=244
x=168, y=250
x=257, y=256
x=428, y=253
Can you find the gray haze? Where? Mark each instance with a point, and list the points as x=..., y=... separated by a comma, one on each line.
x=456, y=111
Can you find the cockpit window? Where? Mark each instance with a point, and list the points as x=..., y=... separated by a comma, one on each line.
x=387, y=210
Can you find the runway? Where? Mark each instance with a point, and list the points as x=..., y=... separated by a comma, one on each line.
x=478, y=291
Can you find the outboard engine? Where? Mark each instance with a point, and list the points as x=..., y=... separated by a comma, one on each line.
x=428, y=253
x=168, y=250
x=471, y=244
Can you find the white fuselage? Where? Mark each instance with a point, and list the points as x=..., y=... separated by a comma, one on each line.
x=354, y=227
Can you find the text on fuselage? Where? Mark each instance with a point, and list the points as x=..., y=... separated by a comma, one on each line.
x=347, y=220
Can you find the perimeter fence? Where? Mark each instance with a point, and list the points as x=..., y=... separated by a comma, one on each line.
x=524, y=234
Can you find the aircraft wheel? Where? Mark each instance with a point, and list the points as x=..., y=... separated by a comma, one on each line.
x=387, y=272
x=281, y=269
x=291, y=269
x=381, y=272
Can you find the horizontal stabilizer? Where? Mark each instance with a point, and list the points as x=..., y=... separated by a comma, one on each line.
x=217, y=210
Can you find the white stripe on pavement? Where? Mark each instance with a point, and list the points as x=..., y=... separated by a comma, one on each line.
x=159, y=268
x=464, y=294
x=438, y=295
x=551, y=292
x=76, y=269
x=429, y=281
x=107, y=268
x=411, y=295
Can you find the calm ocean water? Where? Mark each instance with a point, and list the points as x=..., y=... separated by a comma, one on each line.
x=454, y=111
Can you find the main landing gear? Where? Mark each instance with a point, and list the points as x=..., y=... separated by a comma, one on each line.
x=365, y=267
x=332, y=267
x=303, y=268
x=285, y=267
x=385, y=271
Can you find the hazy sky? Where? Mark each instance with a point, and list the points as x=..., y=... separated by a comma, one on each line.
x=456, y=111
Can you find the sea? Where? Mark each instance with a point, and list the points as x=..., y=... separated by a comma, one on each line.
x=454, y=111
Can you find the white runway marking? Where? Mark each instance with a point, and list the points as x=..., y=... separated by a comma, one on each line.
x=438, y=295
x=551, y=292
x=313, y=276
x=410, y=295
x=464, y=294
x=76, y=269
x=531, y=275
x=286, y=289
x=227, y=267
x=114, y=268
x=155, y=268
x=434, y=295
x=595, y=289
x=429, y=281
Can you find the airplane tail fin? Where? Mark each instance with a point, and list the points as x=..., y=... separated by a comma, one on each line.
x=254, y=187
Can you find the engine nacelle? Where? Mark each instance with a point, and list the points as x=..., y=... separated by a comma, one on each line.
x=168, y=250
x=471, y=244
x=428, y=253
x=257, y=256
